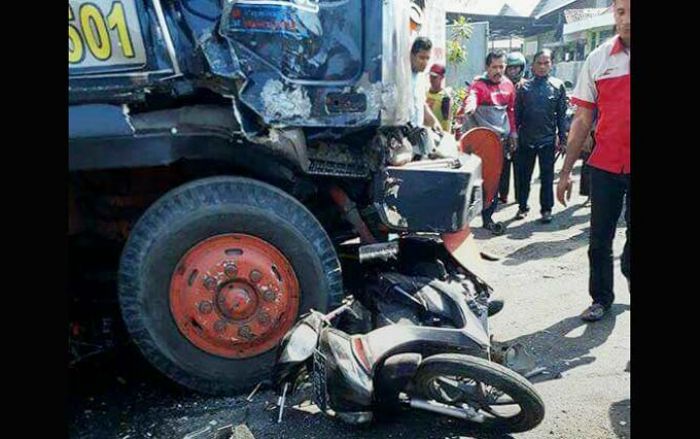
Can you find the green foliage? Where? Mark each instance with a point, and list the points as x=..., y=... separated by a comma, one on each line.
x=460, y=30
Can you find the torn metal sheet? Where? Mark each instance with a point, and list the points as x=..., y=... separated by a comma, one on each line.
x=282, y=102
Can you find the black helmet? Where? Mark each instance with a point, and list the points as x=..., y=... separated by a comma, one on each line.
x=515, y=59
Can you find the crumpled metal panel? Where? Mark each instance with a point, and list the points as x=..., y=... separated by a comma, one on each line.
x=313, y=63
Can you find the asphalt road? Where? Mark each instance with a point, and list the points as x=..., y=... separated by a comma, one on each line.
x=542, y=275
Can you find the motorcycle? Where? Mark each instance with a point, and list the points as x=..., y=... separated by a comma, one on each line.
x=414, y=335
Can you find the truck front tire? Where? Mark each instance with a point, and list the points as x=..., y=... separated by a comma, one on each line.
x=215, y=272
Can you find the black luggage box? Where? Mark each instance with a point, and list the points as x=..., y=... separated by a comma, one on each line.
x=438, y=196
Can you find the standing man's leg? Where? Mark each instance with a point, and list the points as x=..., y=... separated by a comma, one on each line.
x=504, y=184
x=626, y=263
x=526, y=164
x=607, y=192
x=546, y=161
x=488, y=223
x=516, y=178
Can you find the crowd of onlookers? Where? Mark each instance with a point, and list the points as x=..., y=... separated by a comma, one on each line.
x=535, y=121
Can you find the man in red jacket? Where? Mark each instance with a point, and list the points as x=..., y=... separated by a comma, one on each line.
x=491, y=104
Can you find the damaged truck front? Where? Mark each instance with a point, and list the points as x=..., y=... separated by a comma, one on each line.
x=225, y=149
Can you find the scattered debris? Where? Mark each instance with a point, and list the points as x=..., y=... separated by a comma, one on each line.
x=241, y=431
x=224, y=432
x=311, y=408
x=197, y=434
x=623, y=423
x=281, y=400
x=535, y=371
x=250, y=397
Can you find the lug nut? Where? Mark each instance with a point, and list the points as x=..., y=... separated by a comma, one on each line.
x=255, y=276
x=219, y=326
x=269, y=295
x=230, y=269
x=205, y=307
x=209, y=283
x=264, y=318
x=244, y=332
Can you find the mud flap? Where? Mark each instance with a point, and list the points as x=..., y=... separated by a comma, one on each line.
x=486, y=144
x=463, y=248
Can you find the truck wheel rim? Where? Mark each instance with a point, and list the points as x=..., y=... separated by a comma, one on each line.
x=234, y=295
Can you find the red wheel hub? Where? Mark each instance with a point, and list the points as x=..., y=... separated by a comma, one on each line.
x=234, y=295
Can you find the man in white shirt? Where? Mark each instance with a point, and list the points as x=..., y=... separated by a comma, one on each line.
x=420, y=113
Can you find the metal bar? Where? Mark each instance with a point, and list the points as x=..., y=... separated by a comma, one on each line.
x=281, y=402
x=250, y=397
x=125, y=74
x=166, y=34
x=443, y=409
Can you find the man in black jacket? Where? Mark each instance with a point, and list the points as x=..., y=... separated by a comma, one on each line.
x=540, y=111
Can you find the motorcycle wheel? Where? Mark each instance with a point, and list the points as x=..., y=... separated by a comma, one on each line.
x=487, y=391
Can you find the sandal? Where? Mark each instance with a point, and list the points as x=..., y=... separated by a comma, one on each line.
x=594, y=313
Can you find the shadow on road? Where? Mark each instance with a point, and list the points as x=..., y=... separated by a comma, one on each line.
x=560, y=221
x=547, y=249
x=558, y=352
x=409, y=423
x=525, y=228
x=620, y=418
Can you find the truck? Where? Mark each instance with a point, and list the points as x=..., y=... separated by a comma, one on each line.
x=222, y=153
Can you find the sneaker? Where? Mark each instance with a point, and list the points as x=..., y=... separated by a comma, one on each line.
x=495, y=306
x=495, y=228
x=546, y=217
x=594, y=313
x=521, y=214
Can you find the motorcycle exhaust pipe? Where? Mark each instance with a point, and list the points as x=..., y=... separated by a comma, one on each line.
x=443, y=409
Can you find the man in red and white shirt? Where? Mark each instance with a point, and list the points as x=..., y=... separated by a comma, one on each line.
x=604, y=84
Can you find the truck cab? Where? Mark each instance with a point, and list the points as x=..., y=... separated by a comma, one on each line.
x=225, y=149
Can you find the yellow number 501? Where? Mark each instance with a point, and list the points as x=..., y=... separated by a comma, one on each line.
x=95, y=33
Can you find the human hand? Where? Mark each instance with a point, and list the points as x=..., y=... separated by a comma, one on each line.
x=564, y=187
x=513, y=140
x=560, y=146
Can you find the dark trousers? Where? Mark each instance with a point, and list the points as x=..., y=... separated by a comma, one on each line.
x=504, y=186
x=585, y=187
x=486, y=214
x=608, y=192
x=526, y=164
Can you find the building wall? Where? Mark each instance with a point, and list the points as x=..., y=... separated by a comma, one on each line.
x=477, y=48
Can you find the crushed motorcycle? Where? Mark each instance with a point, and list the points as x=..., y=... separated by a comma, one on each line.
x=413, y=332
